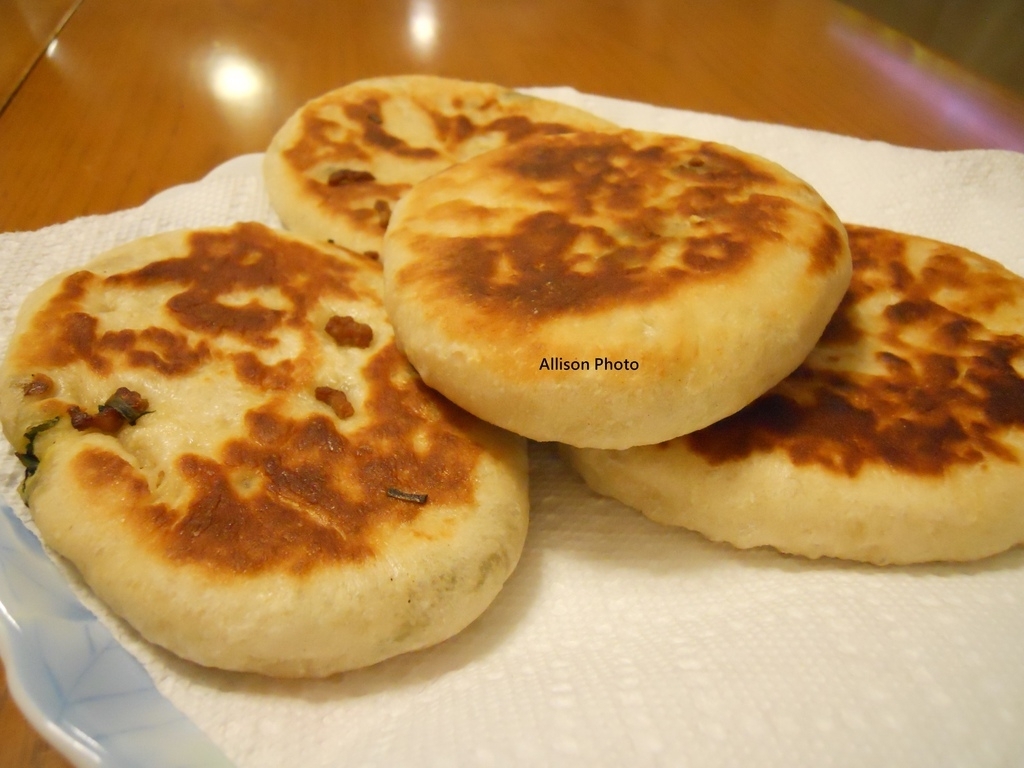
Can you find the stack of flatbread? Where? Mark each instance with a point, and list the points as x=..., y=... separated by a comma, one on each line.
x=302, y=452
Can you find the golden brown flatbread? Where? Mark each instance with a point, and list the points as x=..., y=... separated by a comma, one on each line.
x=611, y=289
x=899, y=440
x=223, y=438
x=339, y=165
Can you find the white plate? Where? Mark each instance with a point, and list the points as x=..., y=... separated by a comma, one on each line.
x=77, y=685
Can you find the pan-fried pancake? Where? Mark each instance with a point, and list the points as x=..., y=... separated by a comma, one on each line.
x=339, y=165
x=899, y=440
x=611, y=289
x=222, y=437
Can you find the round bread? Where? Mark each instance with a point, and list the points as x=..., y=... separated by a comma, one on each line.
x=340, y=164
x=608, y=290
x=899, y=440
x=223, y=438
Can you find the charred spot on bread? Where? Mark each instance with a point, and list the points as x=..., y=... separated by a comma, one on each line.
x=336, y=400
x=39, y=386
x=348, y=176
x=383, y=209
x=349, y=332
x=125, y=406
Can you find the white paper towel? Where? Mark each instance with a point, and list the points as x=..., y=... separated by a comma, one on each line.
x=620, y=642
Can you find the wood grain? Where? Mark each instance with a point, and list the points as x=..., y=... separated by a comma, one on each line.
x=136, y=97
x=129, y=102
x=26, y=29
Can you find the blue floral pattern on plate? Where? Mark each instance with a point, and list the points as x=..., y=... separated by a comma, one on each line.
x=75, y=683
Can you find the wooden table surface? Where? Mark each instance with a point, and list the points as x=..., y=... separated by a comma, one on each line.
x=106, y=102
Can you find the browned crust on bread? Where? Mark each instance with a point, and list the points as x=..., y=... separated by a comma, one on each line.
x=291, y=491
x=626, y=220
x=937, y=383
x=358, y=149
